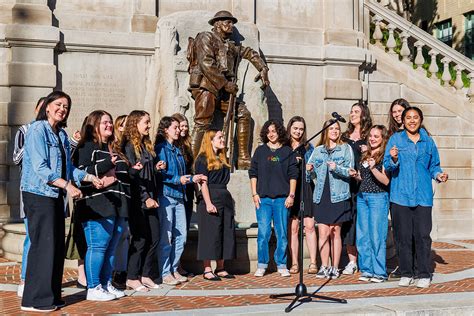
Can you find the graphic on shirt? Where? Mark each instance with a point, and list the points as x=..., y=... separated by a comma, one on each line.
x=272, y=158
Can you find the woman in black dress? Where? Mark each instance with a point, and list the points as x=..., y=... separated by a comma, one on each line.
x=216, y=208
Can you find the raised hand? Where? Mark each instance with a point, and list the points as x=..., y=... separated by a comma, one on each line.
x=331, y=165
x=160, y=165
x=138, y=166
x=394, y=153
x=442, y=177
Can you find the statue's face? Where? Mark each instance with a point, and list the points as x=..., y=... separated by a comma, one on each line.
x=225, y=26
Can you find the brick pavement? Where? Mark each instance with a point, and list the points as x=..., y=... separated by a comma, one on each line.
x=446, y=259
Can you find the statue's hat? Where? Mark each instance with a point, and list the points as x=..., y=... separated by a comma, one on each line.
x=222, y=15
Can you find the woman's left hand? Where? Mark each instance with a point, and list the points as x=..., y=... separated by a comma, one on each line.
x=442, y=177
x=98, y=183
x=289, y=202
x=161, y=165
x=199, y=178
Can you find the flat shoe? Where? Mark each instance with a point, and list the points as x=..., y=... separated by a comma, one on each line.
x=79, y=285
x=294, y=269
x=312, y=269
x=154, y=286
x=214, y=277
x=140, y=288
x=226, y=276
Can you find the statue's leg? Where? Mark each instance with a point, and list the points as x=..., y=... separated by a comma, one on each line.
x=243, y=137
x=205, y=104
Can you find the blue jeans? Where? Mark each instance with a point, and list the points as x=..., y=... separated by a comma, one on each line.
x=102, y=236
x=372, y=227
x=26, y=248
x=272, y=209
x=172, y=216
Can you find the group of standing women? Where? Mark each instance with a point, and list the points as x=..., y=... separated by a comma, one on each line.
x=354, y=178
x=127, y=186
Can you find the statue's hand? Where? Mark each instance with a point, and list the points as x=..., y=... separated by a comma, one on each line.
x=231, y=87
x=264, y=76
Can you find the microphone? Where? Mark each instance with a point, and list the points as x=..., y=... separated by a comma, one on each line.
x=338, y=117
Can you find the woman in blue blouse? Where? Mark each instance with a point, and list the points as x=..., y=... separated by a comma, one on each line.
x=412, y=158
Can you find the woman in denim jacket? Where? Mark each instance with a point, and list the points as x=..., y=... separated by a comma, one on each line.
x=46, y=179
x=412, y=159
x=331, y=165
x=171, y=195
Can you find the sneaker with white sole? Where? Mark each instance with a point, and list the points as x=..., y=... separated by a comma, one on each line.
x=112, y=290
x=405, y=281
x=19, y=291
x=42, y=309
x=423, y=283
x=334, y=273
x=323, y=272
x=260, y=272
x=350, y=268
x=99, y=294
x=284, y=272
x=365, y=277
x=377, y=279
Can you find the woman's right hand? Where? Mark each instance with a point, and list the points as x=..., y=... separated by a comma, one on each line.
x=256, y=201
x=394, y=153
x=309, y=167
x=138, y=166
x=185, y=179
x=150, y=203
x=74, y=192
x=211, y=209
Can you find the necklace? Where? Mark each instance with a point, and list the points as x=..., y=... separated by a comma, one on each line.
x=273, y=149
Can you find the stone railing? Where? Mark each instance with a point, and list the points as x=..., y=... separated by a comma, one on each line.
x=412, y=41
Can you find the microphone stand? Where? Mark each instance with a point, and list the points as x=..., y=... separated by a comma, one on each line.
x=301, y=292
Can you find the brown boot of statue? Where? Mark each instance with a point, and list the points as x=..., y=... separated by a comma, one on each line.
x=198, y=133
x=243, y=137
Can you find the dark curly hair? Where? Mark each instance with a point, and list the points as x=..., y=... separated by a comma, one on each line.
x=280, y=129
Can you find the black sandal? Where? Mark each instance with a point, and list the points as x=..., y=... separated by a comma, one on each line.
x=227, y=276
x=214, y=277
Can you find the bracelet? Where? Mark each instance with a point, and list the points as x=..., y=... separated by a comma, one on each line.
x=65, y=186
x=292, y=195
x=254, y=194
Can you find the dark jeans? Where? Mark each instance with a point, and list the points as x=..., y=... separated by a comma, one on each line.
x=142, y=253
x=412, y=228
x=46, y=256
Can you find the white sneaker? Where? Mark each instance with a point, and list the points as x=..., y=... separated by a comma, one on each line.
x=19, y=291
x=99, y=294
x=284, y=272
x=112, y=290
x=260, y=272
x=404, y=281
x=351, y=268
x=423, y=283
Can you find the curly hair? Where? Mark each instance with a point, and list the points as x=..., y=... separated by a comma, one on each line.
x=280, y=129
x=393, y=126
x=132, y=135
x=378, y=157
x=365, y=122
x=165, y=123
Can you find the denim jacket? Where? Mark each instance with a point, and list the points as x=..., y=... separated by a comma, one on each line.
x=339, y=178
x=170, y=184
x=416, y=166
x=42, y=160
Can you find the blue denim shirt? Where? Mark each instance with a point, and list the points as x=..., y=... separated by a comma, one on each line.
x=170, y=184
x=339, y=178
x=417, y=164
x=42, y=160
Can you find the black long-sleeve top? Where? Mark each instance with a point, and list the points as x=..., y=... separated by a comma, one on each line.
x=273, y=170
x=144, y=182
x=113, y=200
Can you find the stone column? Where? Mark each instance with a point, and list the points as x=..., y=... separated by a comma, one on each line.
x=27, y=42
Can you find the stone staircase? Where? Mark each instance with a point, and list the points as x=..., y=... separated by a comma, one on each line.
x=412, y=64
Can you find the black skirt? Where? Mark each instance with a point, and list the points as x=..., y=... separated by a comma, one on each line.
x=326, y=212
x=307, y=199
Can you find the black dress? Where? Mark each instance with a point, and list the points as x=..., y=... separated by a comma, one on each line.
x=216, y=231
x=327, y=212
x=307, y=193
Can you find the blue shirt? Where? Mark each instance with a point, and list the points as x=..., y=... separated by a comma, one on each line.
x=42, y=163
x=170, y=184
x=416, y=166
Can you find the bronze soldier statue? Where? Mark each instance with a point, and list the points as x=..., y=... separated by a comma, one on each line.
x=213, y=69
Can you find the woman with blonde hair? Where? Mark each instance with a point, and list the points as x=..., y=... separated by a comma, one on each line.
x=216, y=208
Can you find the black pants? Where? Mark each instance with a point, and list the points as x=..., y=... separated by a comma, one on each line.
x=143, y=250
x=216, y=231
x=45, y=266
x=188, y=204
x=412, y=228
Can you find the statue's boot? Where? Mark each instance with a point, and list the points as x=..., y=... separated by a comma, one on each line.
x=198, y=133
x=243, y=138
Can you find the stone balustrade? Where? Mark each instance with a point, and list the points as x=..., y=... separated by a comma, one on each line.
x=411, y=45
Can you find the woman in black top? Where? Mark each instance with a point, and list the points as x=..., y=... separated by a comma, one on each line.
x=273, y=174
x=143, y=217
x=103, y=212
x=216, y=208
x=355, y=135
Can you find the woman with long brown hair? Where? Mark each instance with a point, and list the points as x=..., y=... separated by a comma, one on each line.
x=358, y=128
x=216, y=208
x=395, y=123
x=143, y=218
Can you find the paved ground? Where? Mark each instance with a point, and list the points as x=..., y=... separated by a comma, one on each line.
x=452, y=292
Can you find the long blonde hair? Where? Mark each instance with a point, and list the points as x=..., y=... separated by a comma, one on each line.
x=214, y=161
x=324, y=140
x=132, y=135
